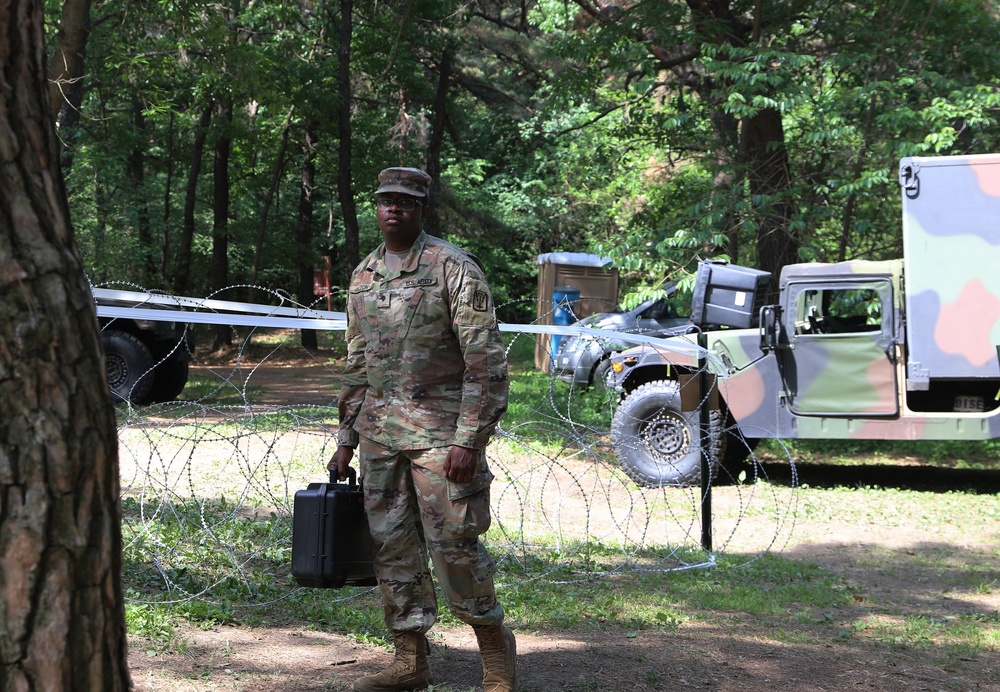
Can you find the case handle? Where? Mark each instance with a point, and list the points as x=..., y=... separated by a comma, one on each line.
x=352, y=477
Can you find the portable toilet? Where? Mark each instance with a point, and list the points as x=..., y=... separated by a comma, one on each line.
x=571, y=286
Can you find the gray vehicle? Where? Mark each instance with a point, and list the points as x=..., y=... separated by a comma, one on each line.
x=585, y=360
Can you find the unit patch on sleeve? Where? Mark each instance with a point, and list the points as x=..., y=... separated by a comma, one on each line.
x=480, y=301
x=476, y=306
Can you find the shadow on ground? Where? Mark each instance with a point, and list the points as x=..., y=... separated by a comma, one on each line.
x=924, y=478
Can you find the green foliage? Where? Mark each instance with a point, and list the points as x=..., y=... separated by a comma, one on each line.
x=537, y=398
x=622, y=133
x=154, y=624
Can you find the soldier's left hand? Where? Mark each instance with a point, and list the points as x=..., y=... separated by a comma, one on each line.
x=460, y=464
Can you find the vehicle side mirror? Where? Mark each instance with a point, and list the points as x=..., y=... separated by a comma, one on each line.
x=770, y=328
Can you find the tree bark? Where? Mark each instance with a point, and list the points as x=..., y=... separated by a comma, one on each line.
x=345, y=190
x=272, y=190
x=136, y=172
x=766, y=162
x=760, y=149
x=304, y=232
x=62, y=622
x=438, y=127
x=220, y=208
x=66, y=69
x=183, y=269
x=168, y=184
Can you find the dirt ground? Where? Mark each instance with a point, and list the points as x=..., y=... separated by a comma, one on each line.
x=729, y=652
x=741, y=655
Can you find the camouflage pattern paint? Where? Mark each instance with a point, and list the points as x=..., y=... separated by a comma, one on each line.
x=951, y=242
x=855, y=385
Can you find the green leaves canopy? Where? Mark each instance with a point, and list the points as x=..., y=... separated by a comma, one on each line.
x=635, y=131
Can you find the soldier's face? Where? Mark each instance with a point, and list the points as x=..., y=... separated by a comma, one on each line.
x=399, y=226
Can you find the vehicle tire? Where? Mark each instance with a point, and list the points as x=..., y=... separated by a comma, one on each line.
x=599, y=377
x=656, y=443
x=129, y=367
x=169, y=379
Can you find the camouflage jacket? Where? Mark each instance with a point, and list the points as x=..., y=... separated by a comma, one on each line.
x=426, y=366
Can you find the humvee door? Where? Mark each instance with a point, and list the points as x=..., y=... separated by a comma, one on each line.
x=841, y=360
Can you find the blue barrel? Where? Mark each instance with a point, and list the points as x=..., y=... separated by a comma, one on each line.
x=563, y=298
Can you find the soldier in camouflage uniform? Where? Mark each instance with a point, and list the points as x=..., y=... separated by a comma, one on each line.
x=423, y=390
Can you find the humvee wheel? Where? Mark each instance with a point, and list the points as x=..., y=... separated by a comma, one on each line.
x=656, y=443
x=129, y=367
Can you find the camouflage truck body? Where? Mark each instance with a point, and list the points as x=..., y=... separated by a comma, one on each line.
x=903, y=349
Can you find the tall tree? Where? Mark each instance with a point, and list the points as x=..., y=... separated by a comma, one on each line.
x=182, y=271
x=66, y=69
x=305, y=232
x=220, y=210
x=136, y=171
x=62, y=622
x=345, y=138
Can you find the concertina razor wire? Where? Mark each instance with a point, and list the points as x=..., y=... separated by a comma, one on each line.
x=221, y=463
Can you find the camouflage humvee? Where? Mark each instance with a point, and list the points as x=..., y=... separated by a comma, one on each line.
x=903, y=349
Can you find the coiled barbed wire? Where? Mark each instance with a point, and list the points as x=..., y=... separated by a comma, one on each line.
x=208, y=480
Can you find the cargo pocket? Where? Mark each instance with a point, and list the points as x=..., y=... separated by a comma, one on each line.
x=480, y=481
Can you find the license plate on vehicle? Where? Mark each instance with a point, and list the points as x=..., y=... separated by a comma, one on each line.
x=969, y=404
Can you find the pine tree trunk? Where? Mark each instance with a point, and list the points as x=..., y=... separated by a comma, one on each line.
x=66, y=70
x=345, y=191
x=182, y=271
x=768, y=172
x=438, y=126
x=304, y=232
x=220, y=210
x=62, y=623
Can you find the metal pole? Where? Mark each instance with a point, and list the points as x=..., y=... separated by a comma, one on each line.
x=705, y=428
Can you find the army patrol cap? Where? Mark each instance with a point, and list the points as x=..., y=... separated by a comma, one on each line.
x=408, y=181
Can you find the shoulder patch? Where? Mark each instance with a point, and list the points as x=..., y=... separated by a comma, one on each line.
x=480, y=300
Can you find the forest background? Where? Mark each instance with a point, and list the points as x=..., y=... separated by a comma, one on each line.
x=209, y=145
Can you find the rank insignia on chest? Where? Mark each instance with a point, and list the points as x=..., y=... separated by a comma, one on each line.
x=480, y=301
x=383, y=299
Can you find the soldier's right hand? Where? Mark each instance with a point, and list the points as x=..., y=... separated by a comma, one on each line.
x=340, y=461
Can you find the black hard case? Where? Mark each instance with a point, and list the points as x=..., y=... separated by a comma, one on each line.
x=331, y=544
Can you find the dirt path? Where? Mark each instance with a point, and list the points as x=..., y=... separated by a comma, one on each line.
x=896, y=571
x=744, y=654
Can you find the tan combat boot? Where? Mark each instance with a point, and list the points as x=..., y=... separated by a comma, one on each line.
x=408, y=671
x=499, y=651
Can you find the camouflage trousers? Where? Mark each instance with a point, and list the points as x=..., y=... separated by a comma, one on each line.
x=415, y=512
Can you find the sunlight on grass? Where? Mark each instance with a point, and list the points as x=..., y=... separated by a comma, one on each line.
x=956, y=636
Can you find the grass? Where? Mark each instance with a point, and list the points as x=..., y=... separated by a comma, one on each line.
x=195, y=583
x=211, y=560
x=957, y=454
x=801, y=600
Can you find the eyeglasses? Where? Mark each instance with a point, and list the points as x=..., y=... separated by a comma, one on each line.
x=402, y=203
